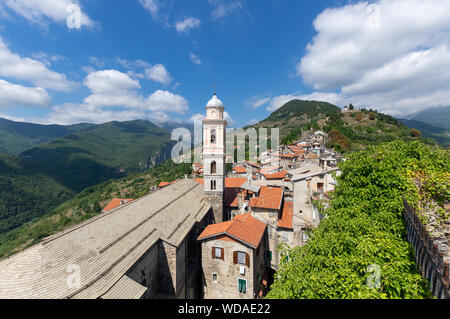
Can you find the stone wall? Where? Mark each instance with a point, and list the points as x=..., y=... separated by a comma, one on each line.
x=145, y=271
x=228, y=273
x=432, y=254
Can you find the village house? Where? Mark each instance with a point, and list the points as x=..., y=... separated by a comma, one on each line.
x=233, y=259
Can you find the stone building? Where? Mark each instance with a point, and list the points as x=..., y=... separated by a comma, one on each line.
x=233, y=259
x=146, y=248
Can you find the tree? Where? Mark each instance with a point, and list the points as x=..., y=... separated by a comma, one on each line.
x=415, y=133
x=351, y=107
x=372, y=116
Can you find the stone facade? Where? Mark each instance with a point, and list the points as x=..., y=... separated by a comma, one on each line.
x=221, y=276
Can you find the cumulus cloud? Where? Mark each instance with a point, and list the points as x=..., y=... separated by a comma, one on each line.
x=71, y=113
x=45, y=11
x=195, y=59
x=116, y=96
x=167, y=101
x=187, y=25
x=389, y=54
x=110, y=81
x=18, y=95
x=158, y=73
x=34, y=71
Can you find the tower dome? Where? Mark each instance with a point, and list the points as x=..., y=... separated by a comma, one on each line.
x=214, y=102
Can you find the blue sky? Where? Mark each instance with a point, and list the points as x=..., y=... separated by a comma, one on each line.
x=160, y=59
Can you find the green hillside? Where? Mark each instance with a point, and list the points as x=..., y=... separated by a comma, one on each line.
x=89, y=203
x=16, y=137
x=102, y=152
x=436, y=116
x=298, y=113
x=440, y=135
x=27, y=190
x=348, y=132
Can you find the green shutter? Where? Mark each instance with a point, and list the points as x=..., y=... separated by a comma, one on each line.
x=242, y=285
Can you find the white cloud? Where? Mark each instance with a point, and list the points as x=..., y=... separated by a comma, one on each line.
x=17, y=95
x=14, y=66
x=78, y=113
x=197, y=117
x=256, y=103
x=110, y=81
x=187, y=24
x=252, y=122
x=151, y=5
x=195, y=59
x=228, y=118
x=44, y=11
x=167, y=102
x=225, y=8
x=390, y=54
x=158, y=73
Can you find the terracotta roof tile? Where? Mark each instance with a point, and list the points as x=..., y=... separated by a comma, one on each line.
x=286, y=215
x=245, y=228
x=240, y=170
x=164, y=184
x=116, y=202
x=269, y=197
x=230, y=182
x=279, y=175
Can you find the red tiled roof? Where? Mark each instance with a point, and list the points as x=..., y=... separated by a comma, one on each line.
x=116, y=202
x=240, y=169
x=279, y=175
x=164, y=184
x=269, y=197
x=230, y=182
x=245, y=228
x=286, y=215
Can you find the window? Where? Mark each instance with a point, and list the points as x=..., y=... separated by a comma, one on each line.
x=213, y=136
x=304, y=236
x=214, y=278
x=241, y=257
x=242, y=286
x=217, y=253
x=213, y=167
x=213, y=185
x=269, y=255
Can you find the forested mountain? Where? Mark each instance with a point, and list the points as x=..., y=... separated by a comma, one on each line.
x=102, y=152
x=45, y=176
x=436, y=116
x=28, y=190
x=440, y=135
x=16, y=137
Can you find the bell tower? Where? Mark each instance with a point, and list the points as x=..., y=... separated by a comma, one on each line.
x=214, y=153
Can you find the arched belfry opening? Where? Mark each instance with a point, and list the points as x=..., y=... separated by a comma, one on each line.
x=213, y=137
x=213, y=167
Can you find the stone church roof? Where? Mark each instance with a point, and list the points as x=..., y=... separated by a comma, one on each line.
x=104, y=248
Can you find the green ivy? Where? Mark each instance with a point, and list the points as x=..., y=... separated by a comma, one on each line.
x=364, y=226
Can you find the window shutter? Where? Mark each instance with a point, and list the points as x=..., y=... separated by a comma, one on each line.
x=247, y=260
x=213, y=253
x=235, y=257
x=222, y=254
